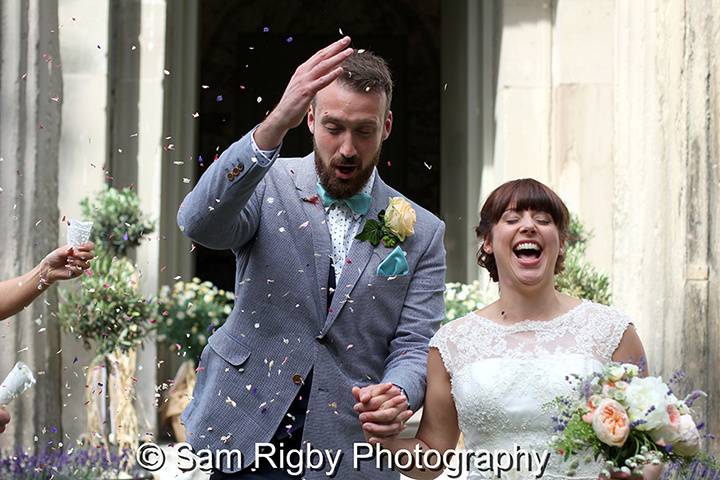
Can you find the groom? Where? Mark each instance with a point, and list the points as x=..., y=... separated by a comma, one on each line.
x=317, y=311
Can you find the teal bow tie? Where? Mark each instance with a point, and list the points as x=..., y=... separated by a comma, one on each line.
x=358, y=203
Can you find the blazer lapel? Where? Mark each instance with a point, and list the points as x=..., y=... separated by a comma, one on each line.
x=358, y=257
x=320, y=248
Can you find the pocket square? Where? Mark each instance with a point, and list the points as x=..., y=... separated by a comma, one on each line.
x=394, y=264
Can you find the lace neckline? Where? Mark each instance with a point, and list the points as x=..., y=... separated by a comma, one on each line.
x=539, y=324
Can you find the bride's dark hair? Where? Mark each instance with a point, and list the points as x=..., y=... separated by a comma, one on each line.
x=523, y=194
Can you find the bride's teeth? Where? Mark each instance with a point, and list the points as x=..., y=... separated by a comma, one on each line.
x=527, y=246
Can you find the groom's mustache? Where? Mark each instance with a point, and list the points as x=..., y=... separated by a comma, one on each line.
x=346, y=162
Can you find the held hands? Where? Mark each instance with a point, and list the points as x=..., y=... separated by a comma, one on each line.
x=66, y=262
x=316, y=73
x=4, y=419
x=383, y=411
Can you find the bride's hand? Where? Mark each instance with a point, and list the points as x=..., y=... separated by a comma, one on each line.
x=383, y=411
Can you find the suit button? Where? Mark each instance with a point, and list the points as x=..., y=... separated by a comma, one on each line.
x=236, y=171
x=240, y=168
x=231, y=176
x=297, y=379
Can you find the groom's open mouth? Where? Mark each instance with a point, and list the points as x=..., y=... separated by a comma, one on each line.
x=345, y=172
x=528, y=253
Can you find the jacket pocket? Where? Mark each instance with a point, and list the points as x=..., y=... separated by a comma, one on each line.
x=229, y=349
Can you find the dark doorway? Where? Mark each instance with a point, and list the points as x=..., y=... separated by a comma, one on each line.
x=249, y=50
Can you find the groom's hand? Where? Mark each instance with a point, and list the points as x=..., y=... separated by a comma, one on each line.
x=316, y=73
x=383, y=410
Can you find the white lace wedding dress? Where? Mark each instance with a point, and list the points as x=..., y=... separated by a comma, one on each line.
x=503, y=375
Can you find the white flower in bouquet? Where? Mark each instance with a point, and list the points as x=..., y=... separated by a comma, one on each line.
x=614, y=371
x=631, y=370
x=680, y=433
x=647, y=401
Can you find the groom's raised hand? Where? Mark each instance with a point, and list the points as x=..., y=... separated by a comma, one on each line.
x=383, y=410
x=316, y=73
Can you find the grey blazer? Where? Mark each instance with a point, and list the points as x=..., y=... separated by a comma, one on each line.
x=377, y=329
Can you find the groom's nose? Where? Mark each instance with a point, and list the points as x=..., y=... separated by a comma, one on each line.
x=347, y=148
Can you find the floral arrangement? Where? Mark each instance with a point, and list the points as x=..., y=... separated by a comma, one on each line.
x=84, y=464
x=118, y=222
x=107, y=309
x=392, y=226
x=628, y=420
x=462, y=298
x=189, y=312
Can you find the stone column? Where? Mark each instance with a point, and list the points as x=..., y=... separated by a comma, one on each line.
x=30, y=101
x=469, y=53
x=83, y=162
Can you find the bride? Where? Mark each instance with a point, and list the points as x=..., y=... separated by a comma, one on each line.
x=490, y=373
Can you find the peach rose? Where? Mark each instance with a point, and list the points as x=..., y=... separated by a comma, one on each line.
x=681, y=432
x=610, y=423
x=592, y=406
x=400, y=218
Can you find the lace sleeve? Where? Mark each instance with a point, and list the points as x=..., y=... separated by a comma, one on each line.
x=617, y=323
x=440, y=341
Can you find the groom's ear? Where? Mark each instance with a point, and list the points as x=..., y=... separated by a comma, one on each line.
x=311, y=119
x=387, y=125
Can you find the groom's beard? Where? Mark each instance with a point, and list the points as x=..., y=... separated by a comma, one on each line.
x=337, y=187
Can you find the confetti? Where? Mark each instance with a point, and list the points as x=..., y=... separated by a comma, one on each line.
x=266, y=29
x=166, y=72
x=259, y=99
x=195, y=115
x=305, y=224
x=429, y=167
x=205, y=86
x=186, y=180
x=219, y=98
x=289, y=39
x=230, y=401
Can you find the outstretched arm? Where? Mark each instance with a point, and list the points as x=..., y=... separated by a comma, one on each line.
x=61, y=264
x=439, y=425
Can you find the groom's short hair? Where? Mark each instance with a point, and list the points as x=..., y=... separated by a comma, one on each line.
x=365, y=72
x=523, y=194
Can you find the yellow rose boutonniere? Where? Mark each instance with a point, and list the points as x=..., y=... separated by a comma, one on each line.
x=393, y=225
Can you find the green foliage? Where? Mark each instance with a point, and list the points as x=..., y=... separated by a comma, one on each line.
x=189, y=313
x=107, y=309
x=461, y=299
x=579, y=278
x=119, y=224
x=376, y=231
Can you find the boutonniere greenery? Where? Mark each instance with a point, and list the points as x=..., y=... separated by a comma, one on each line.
x=392, y=226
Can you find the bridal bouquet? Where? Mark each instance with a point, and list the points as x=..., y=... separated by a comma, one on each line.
x=627, y=420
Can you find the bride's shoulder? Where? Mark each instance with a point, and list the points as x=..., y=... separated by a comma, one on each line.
x=602, y=312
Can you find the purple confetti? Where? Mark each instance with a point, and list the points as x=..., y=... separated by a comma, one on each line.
x=289, y=39
x=266, y=29
x=125, y=237
x=219, y=98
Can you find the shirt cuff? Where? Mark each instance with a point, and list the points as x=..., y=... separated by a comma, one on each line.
x=264, y=157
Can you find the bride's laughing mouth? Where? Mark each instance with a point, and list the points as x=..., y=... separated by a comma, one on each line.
x=528, y=253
